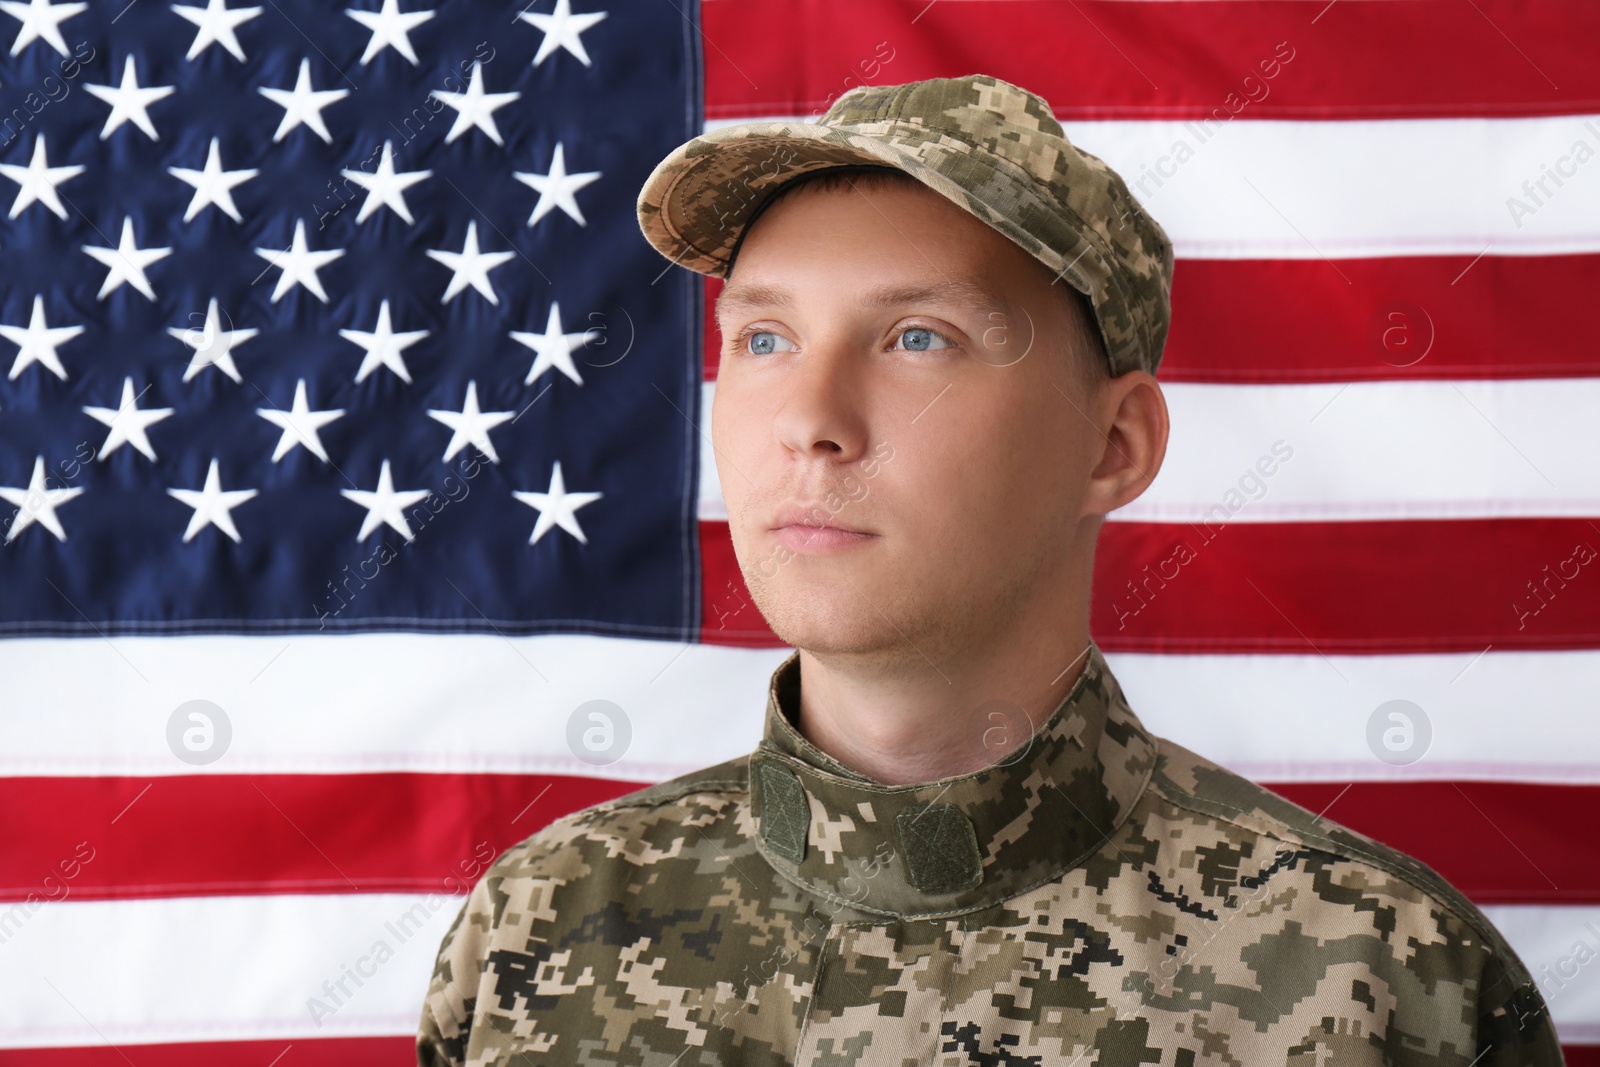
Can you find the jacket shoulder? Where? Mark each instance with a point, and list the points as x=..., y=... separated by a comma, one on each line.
x=1513, y=1019
x=730, y=776
x=566, y=881
x=708, y=792
x=1202, y=787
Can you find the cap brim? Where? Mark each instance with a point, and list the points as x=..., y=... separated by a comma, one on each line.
x=698, y=200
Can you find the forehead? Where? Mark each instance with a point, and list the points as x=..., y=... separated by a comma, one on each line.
x=920, y=248
x=944, y=290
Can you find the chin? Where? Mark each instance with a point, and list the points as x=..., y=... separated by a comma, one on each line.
x=832, y=618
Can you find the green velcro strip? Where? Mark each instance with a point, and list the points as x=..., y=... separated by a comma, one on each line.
x=941, y=848
x=785, y=812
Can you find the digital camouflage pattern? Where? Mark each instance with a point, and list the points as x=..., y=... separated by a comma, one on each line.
x=1099, y=896
x=991, y=147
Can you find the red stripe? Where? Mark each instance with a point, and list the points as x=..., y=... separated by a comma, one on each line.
x=1455, y=585
x=1415, y=317
x=208, y=835
x=305, y=1052
x=1494, y=841
x=1098, y=59
x=327, y=1052
x=1351, y=587
x=95, y=838
x=1412, y=317
x=728, y=615
x=712, y=340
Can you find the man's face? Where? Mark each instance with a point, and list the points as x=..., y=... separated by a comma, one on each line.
x=900, y=432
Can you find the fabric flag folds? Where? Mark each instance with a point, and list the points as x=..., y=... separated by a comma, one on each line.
x=354, y=456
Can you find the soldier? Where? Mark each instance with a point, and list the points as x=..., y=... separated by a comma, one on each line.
x=956, y=843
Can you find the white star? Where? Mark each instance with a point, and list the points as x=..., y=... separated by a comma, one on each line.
x=128, y=422
x=471, y=266
x=475, y=107
x=299, y=264
x=384, y=346
x=385, y=188
x=212, y=185
x=37, y=504
x=384, y=505
x=300, y=425
x=303, y=104
x=554, y=348
x=561, y=29
x=38, y=181
x=126, y=262
x=212, y=506
x=556, y=188
x=389, y=29
x=129, y=103
x=557, y=507
x=40, y=19
x=471, y=426
x=215, y=25
x=36, y=343
x=213, y=346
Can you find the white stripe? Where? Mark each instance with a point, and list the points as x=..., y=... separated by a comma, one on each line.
x=1269, y=189
x=182, y=969
x=1368, y=450
x=712, y=504
x=258, y=967
x=1379, y=450
x=375, y=702
x=406, y=702
x=1560, y=947
x=1519, y=716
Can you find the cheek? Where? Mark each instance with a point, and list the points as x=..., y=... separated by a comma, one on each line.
x=940, y=485
x=725, y=419
x=738, y=431
x=983, y=477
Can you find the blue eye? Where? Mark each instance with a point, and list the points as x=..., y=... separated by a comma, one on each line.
x=765, y=342
x=921, y=339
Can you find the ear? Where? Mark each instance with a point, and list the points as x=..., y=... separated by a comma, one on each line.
x=1131, y=413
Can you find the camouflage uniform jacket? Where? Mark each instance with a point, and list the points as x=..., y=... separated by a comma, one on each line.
x=1103, y=896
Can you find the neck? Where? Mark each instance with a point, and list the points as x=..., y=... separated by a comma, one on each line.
x=910, y=720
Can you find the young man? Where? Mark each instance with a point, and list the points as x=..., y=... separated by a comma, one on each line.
x=956, y=843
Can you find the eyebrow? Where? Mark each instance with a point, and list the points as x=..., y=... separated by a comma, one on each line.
x=949, y=291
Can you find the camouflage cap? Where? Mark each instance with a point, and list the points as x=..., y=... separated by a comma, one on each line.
x=990, y=147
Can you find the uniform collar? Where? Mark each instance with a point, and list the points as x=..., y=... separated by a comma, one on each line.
x=957, y=844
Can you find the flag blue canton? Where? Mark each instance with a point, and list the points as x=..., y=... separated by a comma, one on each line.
x=320, y=317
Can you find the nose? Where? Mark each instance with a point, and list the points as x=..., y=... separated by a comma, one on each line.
x=821, y=415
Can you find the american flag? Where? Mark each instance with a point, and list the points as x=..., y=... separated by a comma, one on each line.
x=352, y=445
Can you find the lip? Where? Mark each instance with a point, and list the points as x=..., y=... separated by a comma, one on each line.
x=805, y=515
x=795, y=525
x=820, y=539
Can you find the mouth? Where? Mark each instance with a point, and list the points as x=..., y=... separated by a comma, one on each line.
x=802, y=529
x=820, y=538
